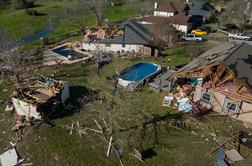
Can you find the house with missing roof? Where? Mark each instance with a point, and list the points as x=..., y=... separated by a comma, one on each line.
x=221, y=80
x=136, y=38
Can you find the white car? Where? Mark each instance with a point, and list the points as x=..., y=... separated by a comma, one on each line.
x=240, y=36
x=191, y=37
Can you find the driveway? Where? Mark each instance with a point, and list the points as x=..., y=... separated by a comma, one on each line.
x=240, y=41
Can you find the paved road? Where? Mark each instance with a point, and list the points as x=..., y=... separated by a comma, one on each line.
x=240, y=41
x=46, y=30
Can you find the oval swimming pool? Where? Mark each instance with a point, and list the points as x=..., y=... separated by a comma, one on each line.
x=138, y=72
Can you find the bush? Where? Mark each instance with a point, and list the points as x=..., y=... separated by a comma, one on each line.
x=2, y=2
x=246, y=26
x=31, y=12
x=212, y=18
x=23, y=4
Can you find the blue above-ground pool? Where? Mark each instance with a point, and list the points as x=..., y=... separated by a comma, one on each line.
x=137, y=73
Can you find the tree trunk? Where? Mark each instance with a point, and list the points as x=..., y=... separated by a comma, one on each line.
x=17, y=77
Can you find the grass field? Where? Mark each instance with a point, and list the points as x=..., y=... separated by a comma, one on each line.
x=19, y=24
x=161, y=144
x=165, y=145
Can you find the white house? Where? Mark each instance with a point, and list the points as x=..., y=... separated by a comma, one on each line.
x=175, y=14
x=170, y=9
x=180, y=22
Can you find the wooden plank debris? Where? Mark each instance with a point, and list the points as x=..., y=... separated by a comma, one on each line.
x=232, y=143
x=138, y=155
x=109, y=146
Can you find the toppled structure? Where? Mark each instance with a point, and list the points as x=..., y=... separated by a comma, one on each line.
x=219, y=79
x=40, y=99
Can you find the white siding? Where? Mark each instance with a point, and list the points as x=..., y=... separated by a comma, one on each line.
x=24, y=109
x=182, y=28
x=112, y=47
x=163, y=14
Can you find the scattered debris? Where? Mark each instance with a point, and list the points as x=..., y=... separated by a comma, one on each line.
x=5, y=90
x=246, y=139
x=181, y=125
x=27, y=164
x=232, y=156
x=138, y=155
x=109, y=146
x=220, y=157
x=40, y=99
x=180, y=96
x=230, y=143
x=10, y=157
x=212, y=80
x=8, y=108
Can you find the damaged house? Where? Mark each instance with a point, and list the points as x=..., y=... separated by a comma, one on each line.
x=135, y=38
x=102, y=33
x=40, y=99
x=220, y=79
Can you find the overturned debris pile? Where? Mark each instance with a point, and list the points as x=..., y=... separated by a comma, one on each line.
x=38, y=100
x=181, y=97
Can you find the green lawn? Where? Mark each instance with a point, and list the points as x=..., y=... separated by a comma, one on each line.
x=19, y=24
x=169, y=146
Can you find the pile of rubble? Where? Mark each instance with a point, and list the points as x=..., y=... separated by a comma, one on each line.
x=37, y=100
x=181, y=97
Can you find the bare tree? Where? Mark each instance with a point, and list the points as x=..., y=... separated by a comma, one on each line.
x=85, y=8
x=13, y=61
x=248, y=10
x=99, y=7
x=77, y=18
x=242, y=10
x=164, y=34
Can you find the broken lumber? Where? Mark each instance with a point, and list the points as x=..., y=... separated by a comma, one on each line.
x=109, y=146
x=232, y=143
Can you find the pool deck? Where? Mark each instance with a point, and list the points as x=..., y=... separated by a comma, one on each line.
x=53, y=58
x=161, y=82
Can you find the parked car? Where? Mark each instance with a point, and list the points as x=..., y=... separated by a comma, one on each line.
x=248, y=34
x=199, y=32
x=205, y=28
x=191, y=37
x=229, y=27
x=240, y=36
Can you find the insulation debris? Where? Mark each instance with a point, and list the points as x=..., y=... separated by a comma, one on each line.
x=10, y=158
